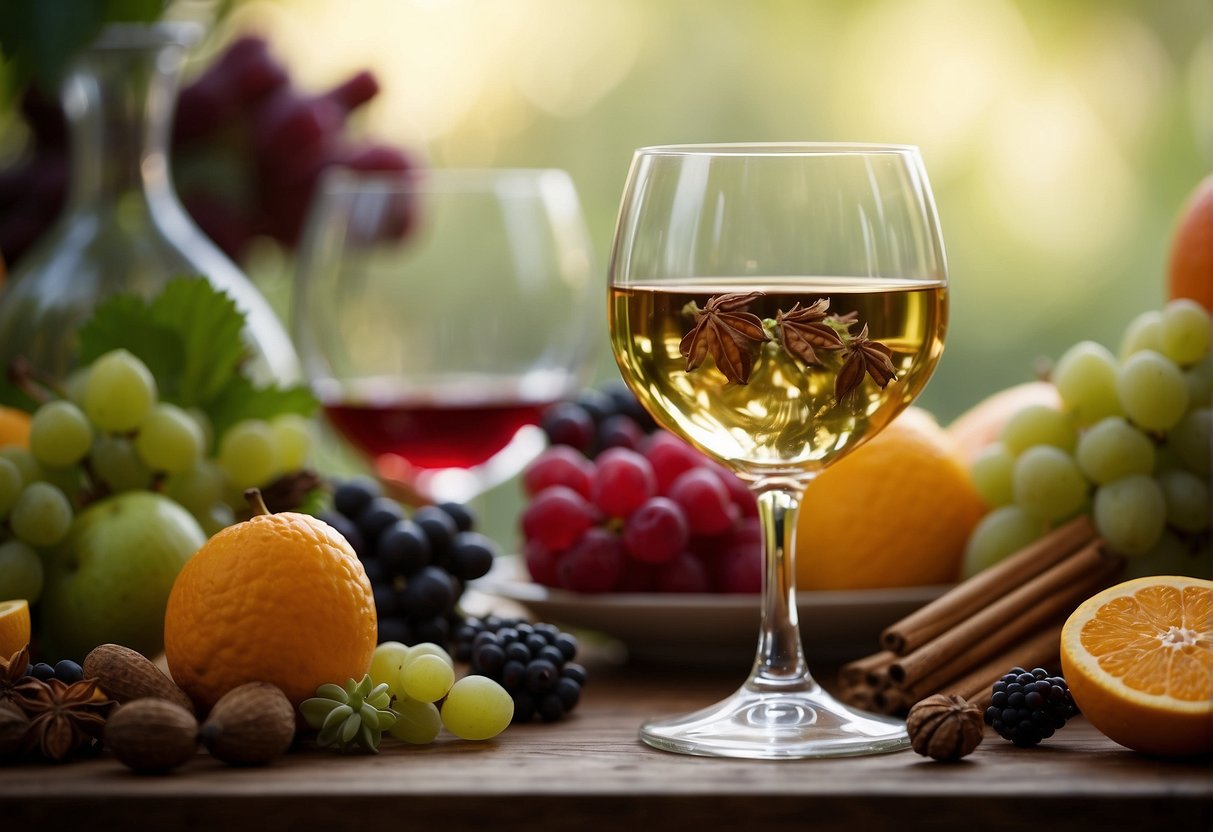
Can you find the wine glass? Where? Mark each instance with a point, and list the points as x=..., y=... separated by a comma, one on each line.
x=438, y=313
x=776, y=306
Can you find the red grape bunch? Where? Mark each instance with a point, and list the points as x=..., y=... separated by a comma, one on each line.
x=648, y=513
x=248, y=150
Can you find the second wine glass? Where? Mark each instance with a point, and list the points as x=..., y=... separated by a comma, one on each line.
x=438, y=314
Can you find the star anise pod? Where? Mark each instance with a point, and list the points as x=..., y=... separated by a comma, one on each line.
x=724, y=330
x=63, y=717
x=13, y=680
x=864, y=356
x=803, y=328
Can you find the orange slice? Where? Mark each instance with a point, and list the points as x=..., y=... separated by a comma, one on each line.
x=1138, y=658
x=14, y=626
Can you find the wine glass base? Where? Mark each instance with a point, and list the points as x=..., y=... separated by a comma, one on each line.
x=777, y=725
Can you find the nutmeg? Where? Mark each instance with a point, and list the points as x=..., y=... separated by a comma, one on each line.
x=250, y=725
x=152, y=735
x=127, y=675
x=944, y=727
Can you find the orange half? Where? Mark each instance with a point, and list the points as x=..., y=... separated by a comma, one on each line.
x=1138, y=658
x=14, y=626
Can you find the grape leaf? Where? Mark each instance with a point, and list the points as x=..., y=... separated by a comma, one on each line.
x=190, y=337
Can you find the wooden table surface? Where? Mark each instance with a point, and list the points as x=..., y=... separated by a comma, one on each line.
x=590, y=771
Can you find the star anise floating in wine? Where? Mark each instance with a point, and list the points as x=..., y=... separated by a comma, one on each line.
x=730, y=334
x=724, y=330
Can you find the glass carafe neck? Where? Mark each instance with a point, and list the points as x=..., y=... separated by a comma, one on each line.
x=119, y=96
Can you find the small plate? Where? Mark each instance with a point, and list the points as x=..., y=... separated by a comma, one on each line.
x=710, y=628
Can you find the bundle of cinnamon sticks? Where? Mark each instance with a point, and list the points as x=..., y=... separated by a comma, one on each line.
x=1007, y=615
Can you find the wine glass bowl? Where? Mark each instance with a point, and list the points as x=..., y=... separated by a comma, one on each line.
x=776, y=306
x=438, y=314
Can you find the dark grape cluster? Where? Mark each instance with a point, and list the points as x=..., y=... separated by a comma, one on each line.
x=1028, y=706
x=533, y=662
x=598, y=419
x=418, y=565
x=65, y=670
x=242, y=116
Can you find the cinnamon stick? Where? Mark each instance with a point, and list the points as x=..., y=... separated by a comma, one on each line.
x=1041, y=650
x=984, y=588
x=1016, y=615
x=866, y=670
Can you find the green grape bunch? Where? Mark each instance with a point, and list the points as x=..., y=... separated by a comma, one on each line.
x=1130, y=447
x=108, y=432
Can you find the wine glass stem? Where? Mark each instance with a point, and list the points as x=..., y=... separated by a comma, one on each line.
x=780, y=664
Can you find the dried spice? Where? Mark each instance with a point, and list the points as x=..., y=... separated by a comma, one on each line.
x=63, y=717
x=864, y=356
x=944, y=727
x=13, y=680
x=724, y=330
x=803, y=330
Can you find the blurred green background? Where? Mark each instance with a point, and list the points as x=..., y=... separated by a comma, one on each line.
x=1061, y=138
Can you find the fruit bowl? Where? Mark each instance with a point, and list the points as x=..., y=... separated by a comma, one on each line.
x=707, y=629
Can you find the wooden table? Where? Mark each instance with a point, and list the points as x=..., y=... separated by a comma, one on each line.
x=591, y=772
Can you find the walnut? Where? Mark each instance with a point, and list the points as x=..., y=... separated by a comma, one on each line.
x=944, y=727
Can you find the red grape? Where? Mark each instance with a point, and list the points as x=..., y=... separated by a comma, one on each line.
x=685, y=573
x=557, y=517
x=656, y=532
x=540, y=562
x=623, y=480
x=670, y=457
x=593, y=563
x=558, y=465
x=705, y=500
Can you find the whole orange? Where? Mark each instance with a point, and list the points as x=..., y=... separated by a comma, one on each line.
x=1190, y=271
x=14, y=427
x=280, y=598
x=895, y=512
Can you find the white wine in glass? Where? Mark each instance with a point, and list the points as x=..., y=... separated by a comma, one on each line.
x=776, y=306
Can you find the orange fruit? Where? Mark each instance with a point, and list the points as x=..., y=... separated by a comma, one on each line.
x=1190, y=270
x=280, y=598
x=14, y=626
x=1138, y=658
x=981, y=424
x=14, y=427
x=895, y=512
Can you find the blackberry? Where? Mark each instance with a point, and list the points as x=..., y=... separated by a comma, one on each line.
x=533, y=662
x=1028, y=706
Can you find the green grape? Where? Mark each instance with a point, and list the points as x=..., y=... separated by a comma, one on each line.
x=1187, y=499
x=41, y=516
x=1199, y=378
x=386, y=661
x=68, y=480
x=120, y=393
x=1184, y=331
x=1047, y=483
x=11, y=484
x=1169, y=556
x=1111, y=449
x=20, y=571
x=1191, y=440
x=1038, y=424
x=427, y=648
x=294, y=440
x=1131, y=514
x=1000, y=533
x=30, y=470
x=169, y=439
x=248, y=454
x=115, y=462
x=990, y=473
x=477, y=708
x=198, y=488
x=1143, y=333
x=426, y=678
x=59, y=434
x=1085, y=377
x=418, y=723
x=204, y=424
x=1152, y=390
x=76, y=385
